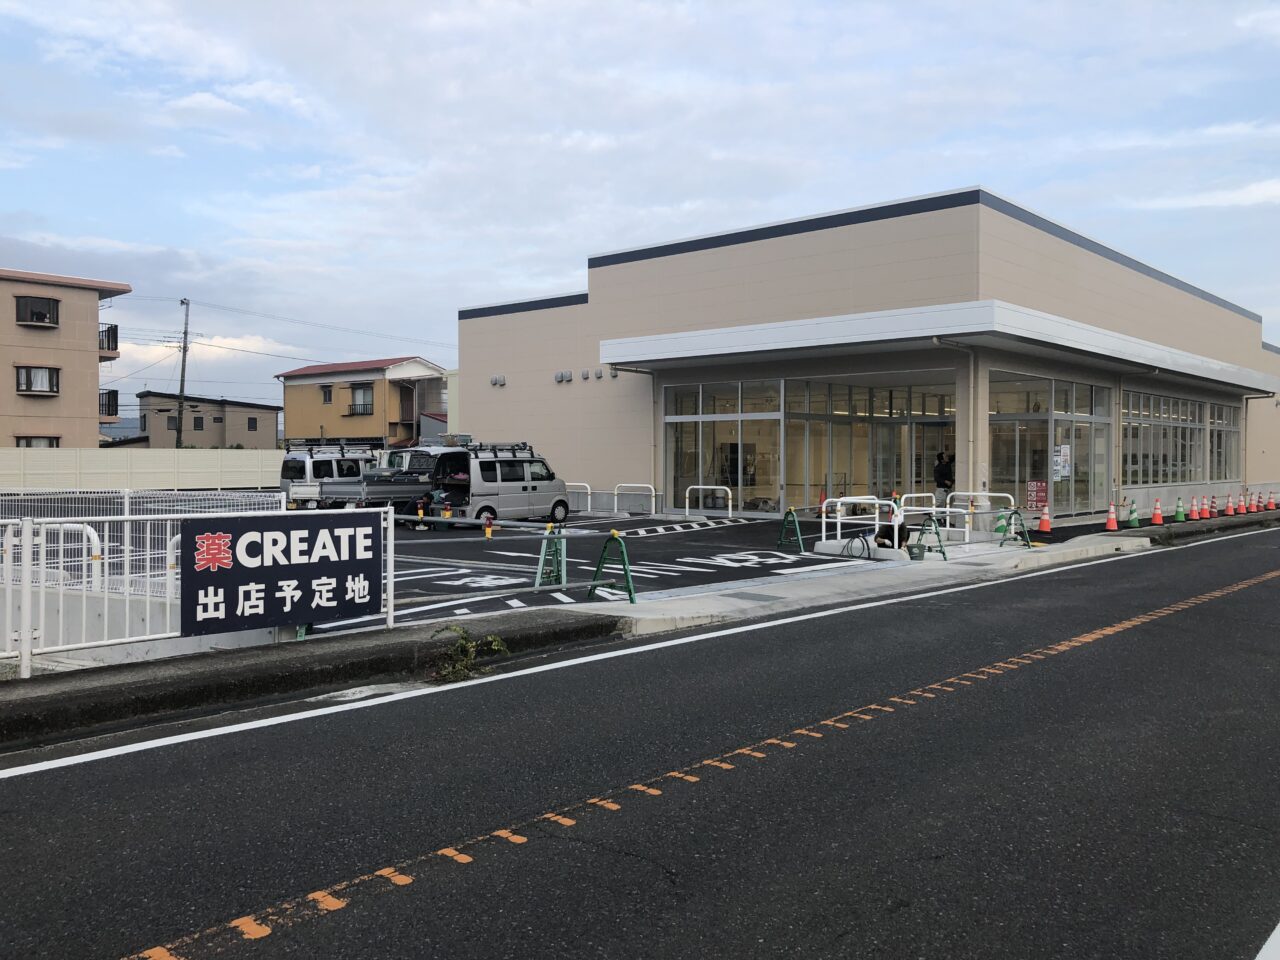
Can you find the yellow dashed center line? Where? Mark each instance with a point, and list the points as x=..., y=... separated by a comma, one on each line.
x=214, y=940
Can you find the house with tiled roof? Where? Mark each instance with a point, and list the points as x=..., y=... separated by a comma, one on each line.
x=378, y=402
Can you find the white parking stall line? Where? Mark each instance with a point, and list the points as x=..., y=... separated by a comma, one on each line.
x=513, y=602
x=820, y=566
x=461, y=611
x=564, y=598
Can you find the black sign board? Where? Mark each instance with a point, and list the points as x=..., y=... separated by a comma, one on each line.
x=246, y=572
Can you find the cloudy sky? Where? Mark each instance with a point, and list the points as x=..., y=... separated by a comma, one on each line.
x=375, y=166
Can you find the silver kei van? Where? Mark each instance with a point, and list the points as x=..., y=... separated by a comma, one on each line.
x=505, y=481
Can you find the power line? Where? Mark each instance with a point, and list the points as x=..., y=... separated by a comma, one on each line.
x=322, y=326
x=281, y=356
x=128, y=376
x=304, y=323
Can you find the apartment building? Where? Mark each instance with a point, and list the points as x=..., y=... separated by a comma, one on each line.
x=207, y=423
x=378, y=402
x=52, y=339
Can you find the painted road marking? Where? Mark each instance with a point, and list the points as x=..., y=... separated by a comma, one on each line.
x=44, y=766
x=326, y=901
x=394, y=875
x=513, y=602
x=250, y=928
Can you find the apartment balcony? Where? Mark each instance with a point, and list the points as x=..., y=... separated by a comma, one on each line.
x=108, y=342
x=360, y=410
x=108, y=406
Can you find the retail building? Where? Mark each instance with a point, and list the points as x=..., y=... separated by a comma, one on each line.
x=840, y=353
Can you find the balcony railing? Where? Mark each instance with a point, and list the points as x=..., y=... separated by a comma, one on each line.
x=360, y=410
x=108, y=338
x=108, y=403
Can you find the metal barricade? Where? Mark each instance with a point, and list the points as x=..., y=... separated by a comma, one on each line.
x=574, y=492
x=642, y=487
x=697, y=486
x=871, y=519
x=972, y=500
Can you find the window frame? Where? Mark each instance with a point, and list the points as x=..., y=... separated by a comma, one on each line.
x=252, y=425
x=54, y=445
x=55, y=380
x=26, y=300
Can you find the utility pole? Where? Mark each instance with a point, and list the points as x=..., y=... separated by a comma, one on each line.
x=182, y=376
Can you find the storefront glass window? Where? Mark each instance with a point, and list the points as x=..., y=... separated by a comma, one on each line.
x=720, y=398
x=760, y=396
x=1163, y=441
x=682, y=401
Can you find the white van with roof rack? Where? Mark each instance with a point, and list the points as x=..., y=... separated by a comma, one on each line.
x=505, y=481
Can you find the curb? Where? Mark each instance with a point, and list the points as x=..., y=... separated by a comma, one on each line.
x=59, y=705
x=1171, y=533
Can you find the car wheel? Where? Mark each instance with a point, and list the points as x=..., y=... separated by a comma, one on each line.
x=486, y=513
x=559, y=512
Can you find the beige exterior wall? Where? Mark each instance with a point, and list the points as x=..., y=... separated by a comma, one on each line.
x=1262, y=432
x=72, y=346
x=596, y=431
x=1023, y=265
x=234, y=428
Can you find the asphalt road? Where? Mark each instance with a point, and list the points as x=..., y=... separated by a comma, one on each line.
x=1077, y=765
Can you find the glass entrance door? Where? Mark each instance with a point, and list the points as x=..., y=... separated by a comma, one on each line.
x=888, y=458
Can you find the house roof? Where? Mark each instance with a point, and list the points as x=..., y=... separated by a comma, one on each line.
x=353, y=366
x=104, y=288
x=216, y=401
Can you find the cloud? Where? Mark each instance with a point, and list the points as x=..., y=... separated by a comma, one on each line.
x=270, y=92
x=1263, y=192
x=203, y=102
x=1261, y=22
x=168, y=150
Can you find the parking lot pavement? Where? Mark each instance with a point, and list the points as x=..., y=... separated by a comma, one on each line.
x=452, y=573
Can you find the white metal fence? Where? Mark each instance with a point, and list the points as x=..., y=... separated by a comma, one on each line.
x=73, y=583
x=16, y=504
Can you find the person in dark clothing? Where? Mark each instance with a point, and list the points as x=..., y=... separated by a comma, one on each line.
x=940, y=471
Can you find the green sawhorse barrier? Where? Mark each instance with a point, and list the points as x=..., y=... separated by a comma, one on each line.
x=613, y=550
x=1016, y=531
x=790, y=534
x=930, y=526
x=553, y=560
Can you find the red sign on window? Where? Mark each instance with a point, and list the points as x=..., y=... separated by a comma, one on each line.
x=1037, y=494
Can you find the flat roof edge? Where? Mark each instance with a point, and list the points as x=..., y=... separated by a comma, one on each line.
x=1270, y=347
x=523, y=306
x=104, y=288
x=789, y=228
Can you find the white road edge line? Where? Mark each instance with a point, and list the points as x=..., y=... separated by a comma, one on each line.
x=1271, y=949
x=125, y=749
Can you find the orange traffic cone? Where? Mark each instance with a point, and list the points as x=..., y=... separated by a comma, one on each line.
x=1253, y=503
x=1195, y=509
x=1046, y=526
x=1213, y=507
x=1271, y=500
x=1111, y=517
x=1157, y=518
x=1231, y=506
